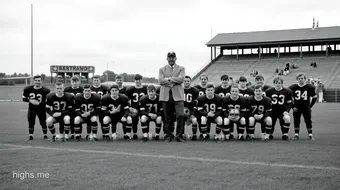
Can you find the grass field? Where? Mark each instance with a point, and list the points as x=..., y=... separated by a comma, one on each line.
x=301, y=164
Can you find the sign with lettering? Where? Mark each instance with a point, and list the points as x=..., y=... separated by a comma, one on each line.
x=71, y=69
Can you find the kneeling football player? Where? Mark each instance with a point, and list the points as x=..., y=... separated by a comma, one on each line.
x=282, y=103
x=115, y=108
x=234, y=108
x=59, y=106
x=151, y=110
x=209, y=107
x=260, y=110
x=87, y=107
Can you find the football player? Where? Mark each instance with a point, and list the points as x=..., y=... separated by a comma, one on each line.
x=134, y=93
x=151, y=110
x=190, y=101
x=209, y=107
x=59, y=106
x=234, y=108
x=203, y=84
x=242, y=86
x=101, y=90
x=74, y=89
x=281, y=104
x=224, y=89
x=259, y=80
x=87, y=107
x=304, y=100
x=119, y=81
x=115, y=108
x=36, y=96
x=260, y=111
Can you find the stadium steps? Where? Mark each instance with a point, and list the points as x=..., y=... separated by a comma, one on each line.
x=334, y=79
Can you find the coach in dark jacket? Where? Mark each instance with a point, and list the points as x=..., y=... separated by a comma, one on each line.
x=171, y=94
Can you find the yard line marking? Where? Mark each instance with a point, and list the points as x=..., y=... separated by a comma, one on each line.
x=14, y=148
x=180, y=157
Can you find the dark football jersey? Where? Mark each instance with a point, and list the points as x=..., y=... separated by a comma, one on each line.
x=205, y=105
x=91, y=104
x=108, y=103
x=262, y=106
x=134, y=94
x=302, y=94
x=122, y=90
x=59, y=104
x=74, y=91
x=30, y=93
x=101, y=90
x=280, y=99
x=264, y=88
x=223, y=92
x=190, y=97
x=150, y=106
x=240, y=103
x=247, y=92
x=201, y=90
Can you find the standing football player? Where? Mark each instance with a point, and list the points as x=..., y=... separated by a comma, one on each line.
x=224, y=89
x=134, y=93
x=119, y=81
x=87, y=107
x=281, y=104
x=115, y=108
x=36, y=96
x=74, y=89
x=302, y=104
x=151, y=110
x=242, y=86
x=209, y=107
x=259, y=80
x=203, y=85
x=234, y=108
x=260, y=111
x=190, y=101
x=59, y=106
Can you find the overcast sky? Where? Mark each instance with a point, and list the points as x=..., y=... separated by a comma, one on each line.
x=134, y=36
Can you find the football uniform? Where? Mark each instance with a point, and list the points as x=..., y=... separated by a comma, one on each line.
x=201, y=90
x=238, y=108
x=258, y=107
x=108, y=104
x=62, y=104
x=74, y=91
x=147, y=106
x=246, y=92
x=100, y=90
x=264, y=88
x=206, y=105
x=281, y=102
x=302, y=102
x=223, y=92
x=31, y=93
x=122, y=90
x=190, y=99
x=134, y=94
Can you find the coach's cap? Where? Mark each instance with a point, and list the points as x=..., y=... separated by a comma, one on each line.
x=171, y=54
x=242, y=79
x=138, y=77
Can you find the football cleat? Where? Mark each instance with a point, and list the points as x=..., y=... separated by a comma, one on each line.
x=168, y=139
x=252, y=137
x=72, y=137
x=145, y=139
x=78, y=138
x=266, y=137
x=87, y=137
x=296, y=137
x=285, y=137
x=180, y=139
x=194, y=137
x=156, y=137
x=247, y=137
x=206, y=138
x=240, y=137
x=263, y=136
x=53, y=138
x=59, y=137
x=114, y=136
x=201, y=136
x=231, y=136
x=30, y=138
x=66, y=137
x=271, y=137
x=45, y=137
x=226, y=137
x=94, y=137
x=126, y=137
x=311, y=137
x=135, y=137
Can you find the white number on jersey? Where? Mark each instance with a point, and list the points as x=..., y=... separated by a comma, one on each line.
x=136, y=96
x=39, y=96
x=87, y=107
x=259, y=109
x=278, y=99
x=302, y=96
x=211, y=107
x=188, y=98
x=152, y=105
x=201, y=93
x=234, y=107
x=58, y=106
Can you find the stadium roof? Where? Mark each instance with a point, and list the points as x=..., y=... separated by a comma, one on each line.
x=276, y=36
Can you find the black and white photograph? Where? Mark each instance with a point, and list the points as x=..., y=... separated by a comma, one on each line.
x=181, y=94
